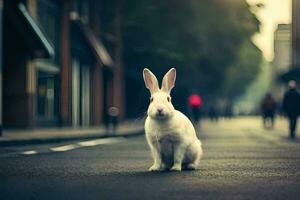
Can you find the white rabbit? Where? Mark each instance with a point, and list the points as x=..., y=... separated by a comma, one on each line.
x=170, y=134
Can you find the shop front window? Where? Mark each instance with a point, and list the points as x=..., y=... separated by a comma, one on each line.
x=46, y=97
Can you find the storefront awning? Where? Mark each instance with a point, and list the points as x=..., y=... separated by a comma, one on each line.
x=35, y=40
x=96, y=46
x=292, y=74
x=36, y=32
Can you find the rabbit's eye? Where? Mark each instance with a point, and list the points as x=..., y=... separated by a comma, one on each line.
x=151, y=99
x=169, y=99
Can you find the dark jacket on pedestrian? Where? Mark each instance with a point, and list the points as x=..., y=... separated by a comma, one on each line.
x=291, y=102
x=268, y=106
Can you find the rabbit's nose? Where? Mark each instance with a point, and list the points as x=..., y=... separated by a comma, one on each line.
x=160, y=110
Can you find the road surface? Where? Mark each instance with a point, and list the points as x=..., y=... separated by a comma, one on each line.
x=241, y=161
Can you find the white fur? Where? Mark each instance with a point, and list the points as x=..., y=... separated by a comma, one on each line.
x=170, y=134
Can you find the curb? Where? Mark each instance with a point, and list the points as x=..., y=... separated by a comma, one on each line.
x=33, y=141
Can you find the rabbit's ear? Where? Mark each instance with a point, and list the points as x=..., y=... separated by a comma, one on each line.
x=150, y=81
x=168, y=81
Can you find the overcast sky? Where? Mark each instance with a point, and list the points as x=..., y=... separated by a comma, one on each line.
x=274, y=12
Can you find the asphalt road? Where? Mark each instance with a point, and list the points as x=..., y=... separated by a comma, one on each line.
x=241, y=161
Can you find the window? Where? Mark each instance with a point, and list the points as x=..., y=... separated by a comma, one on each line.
x=49, y=20
x=46, y=95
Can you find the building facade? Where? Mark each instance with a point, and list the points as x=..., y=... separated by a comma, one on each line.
x=294, y=71
x=282, y=56
x=56, y=69
x=282, y=49
x=296, y=33
x=1, y=14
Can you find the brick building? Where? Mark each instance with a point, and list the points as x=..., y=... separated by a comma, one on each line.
x=56, y=69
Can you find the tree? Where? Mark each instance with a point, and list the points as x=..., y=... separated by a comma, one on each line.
x=243, y=71
x=207, y=41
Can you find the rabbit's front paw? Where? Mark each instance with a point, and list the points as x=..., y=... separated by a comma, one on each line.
x=176, y=167
x=191, y=166
x=154, y=168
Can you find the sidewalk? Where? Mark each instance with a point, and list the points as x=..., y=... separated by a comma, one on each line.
x=248, y=124
x=47, y=135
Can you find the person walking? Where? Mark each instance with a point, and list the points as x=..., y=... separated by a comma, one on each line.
x=195, y=103
x=291, y=106
x=212, y=113
x=268, y=108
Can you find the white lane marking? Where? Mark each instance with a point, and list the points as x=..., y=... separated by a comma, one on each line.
x=29, y=152
x=100, y=141
x=64, y=148
x=89, y=143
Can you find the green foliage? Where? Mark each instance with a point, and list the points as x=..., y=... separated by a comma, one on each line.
x=243, y=71
x=208, y=42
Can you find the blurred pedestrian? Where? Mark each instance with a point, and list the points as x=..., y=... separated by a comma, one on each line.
x=213, y=114
x=291, y=106
x=195, y=103
x=268, y=108
x=228, y=110
x=113, y=119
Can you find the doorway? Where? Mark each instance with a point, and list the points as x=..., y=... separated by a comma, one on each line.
x=81, y=93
